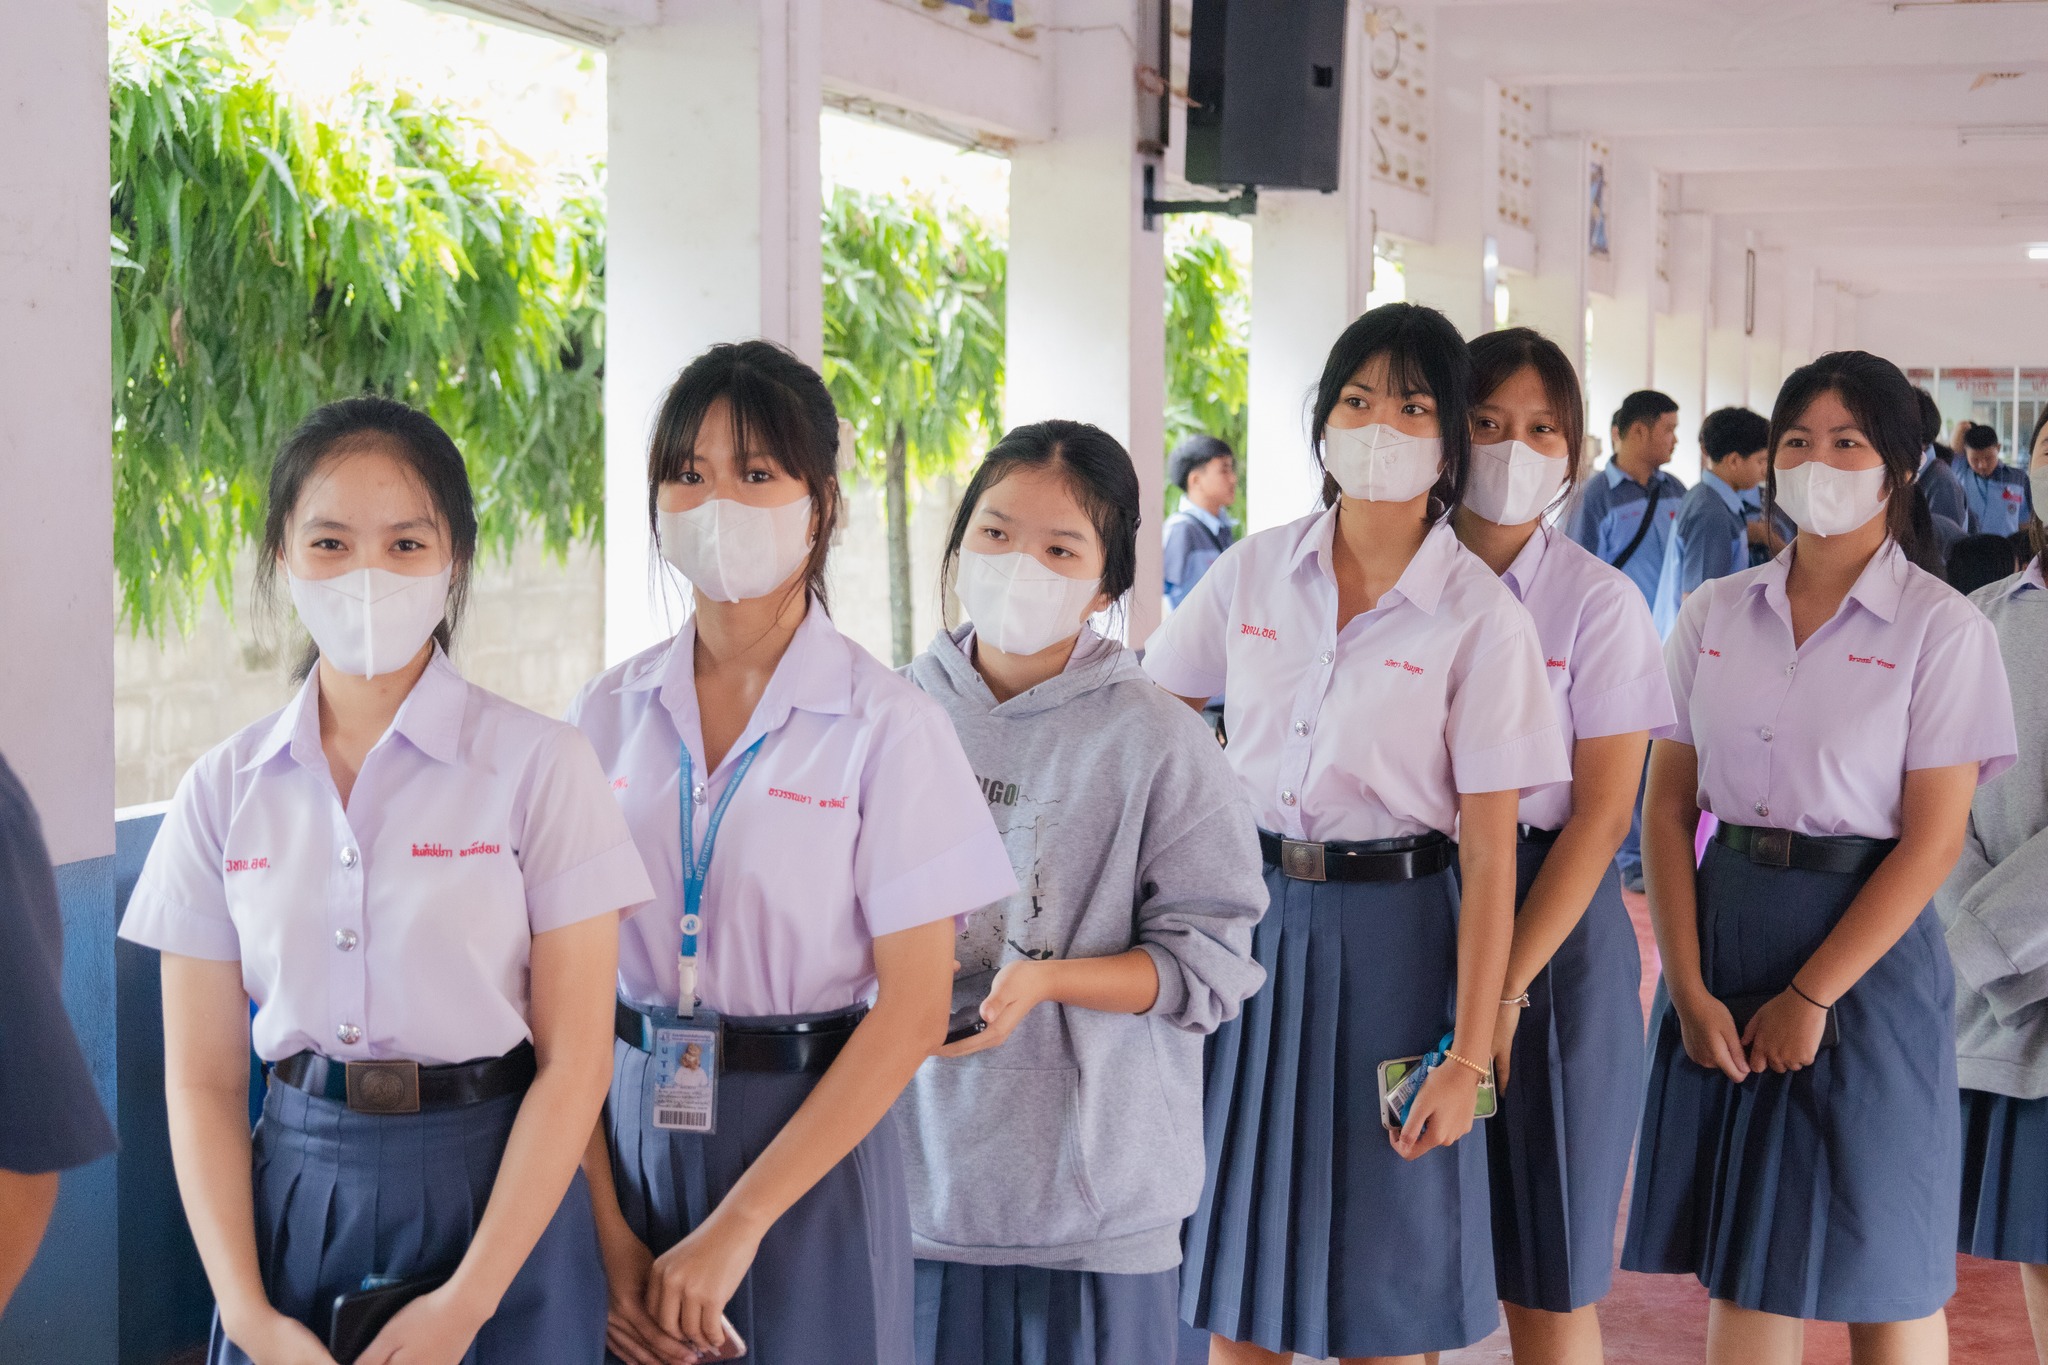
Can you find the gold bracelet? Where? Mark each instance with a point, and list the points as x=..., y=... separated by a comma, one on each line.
x=1467, y=1062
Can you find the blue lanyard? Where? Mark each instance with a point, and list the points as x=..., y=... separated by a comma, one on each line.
x=697, y=864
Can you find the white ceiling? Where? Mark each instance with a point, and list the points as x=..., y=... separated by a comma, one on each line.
x=1846, y=132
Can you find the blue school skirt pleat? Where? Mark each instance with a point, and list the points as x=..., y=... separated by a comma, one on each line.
x=2005, y=1178
x=342, y=1195
x=1828, y=1193
x=1558, y=1150
x=1312, y=1235
x=831, y=1284
x=1028, y=1315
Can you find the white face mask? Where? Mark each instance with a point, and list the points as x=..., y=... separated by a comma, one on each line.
x=1511, y=483
x=1020, y=606
x=370, y=621
x=2037, y=482
x=1382, y=464
x=731, y=551
x=1828, y=501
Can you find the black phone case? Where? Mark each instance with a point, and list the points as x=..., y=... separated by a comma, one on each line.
x=1744, y=1007
x=359, y=1314
x=968, y=993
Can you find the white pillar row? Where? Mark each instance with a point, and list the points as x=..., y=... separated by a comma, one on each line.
x=1086, y=289
x=711, y=235
x=1766, y=343
x=56, y=480
x=1727, y=346
x=1311, y=272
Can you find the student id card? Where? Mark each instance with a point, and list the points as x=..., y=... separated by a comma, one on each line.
x=686, y=1062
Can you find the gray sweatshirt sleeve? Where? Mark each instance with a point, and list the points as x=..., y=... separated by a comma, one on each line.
x=1201, y=889
x=1996, y=917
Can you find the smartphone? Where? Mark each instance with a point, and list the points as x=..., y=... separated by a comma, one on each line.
x=733, y=1349
x=968, y=993
x=1395, y=1098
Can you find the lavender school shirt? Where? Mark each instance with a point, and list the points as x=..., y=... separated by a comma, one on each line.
x=1817, y=739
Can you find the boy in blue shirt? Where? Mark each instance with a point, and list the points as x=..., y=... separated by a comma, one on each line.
x=1614, y=502
x=1995, y=493
x=1721, y=521
x=1204, y=468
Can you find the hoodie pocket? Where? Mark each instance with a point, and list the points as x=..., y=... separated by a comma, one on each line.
x=996, y=1158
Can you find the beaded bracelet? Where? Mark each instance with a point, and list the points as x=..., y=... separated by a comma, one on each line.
x=1467, y=1062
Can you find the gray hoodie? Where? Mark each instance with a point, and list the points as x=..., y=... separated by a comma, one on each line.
x=1995, y=904
x=1077, y=1143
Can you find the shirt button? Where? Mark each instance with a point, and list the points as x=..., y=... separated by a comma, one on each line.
x=1791, y=668
x=348, y=857
x=1286, y=798
x=697, y=792
x=1301, y=727
x=1762, y=809
x=345, y=939
x=1327, y=655
x=1765, y=734
x=349, y=1034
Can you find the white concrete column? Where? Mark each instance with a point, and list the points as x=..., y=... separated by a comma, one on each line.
x=1448, y=273
x=712, y=235
x=1086, y=290
x=1679, y=364
x=1767, y=342
x=1553, y=300
x=1727, y=345
x=56, y=479
x=1624, y=339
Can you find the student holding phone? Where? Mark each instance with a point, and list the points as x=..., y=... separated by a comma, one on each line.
x=1837, y=708
x=1385, y=689
x=1055, y=1153
x=414, y=882
x=1570, y=1033
x=812, y=829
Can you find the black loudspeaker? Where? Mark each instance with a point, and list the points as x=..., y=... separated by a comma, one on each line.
x=1266, y=93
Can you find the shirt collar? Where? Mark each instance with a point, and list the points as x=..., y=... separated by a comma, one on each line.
x=1218, y=523
x=430, y=718
x=2030, y=579
x=1721, y=488
x=1421, y=583
x=815, y=674
x=1877, y=589
x=1521, y=575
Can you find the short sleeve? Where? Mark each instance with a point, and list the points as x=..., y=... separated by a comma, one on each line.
x=50, y=1114
x=1619, y=685
x=1503, y=729
x=1709, y=550
x=1174, y=551
x=1682, y=662
x=576, y=853
x=928, y=847
x=180, y=902
x=1586, y=515
x=1188, y=655
x=1961, y=710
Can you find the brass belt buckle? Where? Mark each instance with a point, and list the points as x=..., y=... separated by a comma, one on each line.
x=1302, y=860
x=1771, y=847
x=384, y=1087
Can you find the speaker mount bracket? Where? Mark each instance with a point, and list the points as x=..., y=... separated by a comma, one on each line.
x=1240, y=205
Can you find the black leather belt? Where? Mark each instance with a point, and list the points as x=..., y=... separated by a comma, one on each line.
x=1530, y=834
x=407, y=1087
x=1377, y=860
x=805, y=1045
x=1813, y=853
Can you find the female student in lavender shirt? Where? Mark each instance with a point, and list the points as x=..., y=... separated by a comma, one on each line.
x=1837, y=707
x=855, y=832
x=1570, y=1035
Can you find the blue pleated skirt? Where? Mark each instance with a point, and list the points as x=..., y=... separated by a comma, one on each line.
x=1828, y=1193
x=2005, y=1178
x=1558, y=1150
x=342, y=1195
x=831, y=1284
x=1028, y=1315
x=1312, y=1234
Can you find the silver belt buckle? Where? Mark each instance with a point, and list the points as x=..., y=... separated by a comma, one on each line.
x=1302, y=860
x=1771, y=847
x=384, y=1087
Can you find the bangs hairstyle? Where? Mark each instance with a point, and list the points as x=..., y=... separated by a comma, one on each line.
x=1882, y=405
x=1498, y=356
x=1096, y=469
x=781, y=412
x=1424, y=354
x=357, y=426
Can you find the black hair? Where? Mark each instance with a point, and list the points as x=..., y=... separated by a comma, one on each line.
x=351, y=426
x=1192, y=453
x=1977, y=560
x=2036, y=532
x=1980, y=437
x=1424, y=354
x=1644, y=405
x=780, y=408
x=1098, y=472
x=1930, y=418
x=1498, y=356
x=1733, y=431
x=1881, y=403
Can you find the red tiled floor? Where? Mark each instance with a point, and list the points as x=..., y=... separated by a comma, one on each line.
x=1662, y=1319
